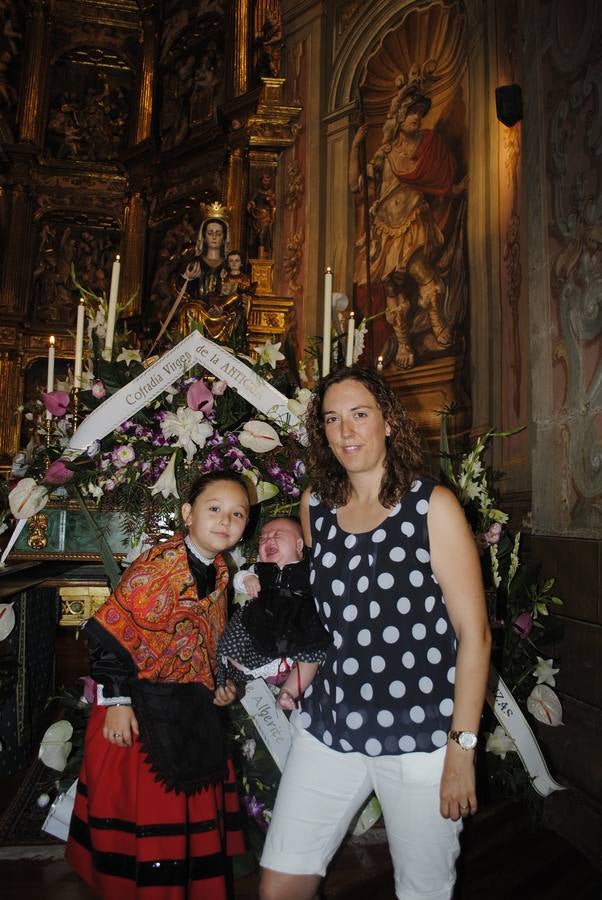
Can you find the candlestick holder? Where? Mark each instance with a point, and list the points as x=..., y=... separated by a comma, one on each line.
x=75, y=396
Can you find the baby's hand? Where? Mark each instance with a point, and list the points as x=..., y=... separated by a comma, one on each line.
x=286, y=700
x=252, y=586
x=225, y=695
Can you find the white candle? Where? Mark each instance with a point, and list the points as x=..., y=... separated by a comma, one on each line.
x=379, y=364
x=50, y=374
x=350, y=339
x=79, y=343
x=327, y=322
x=112, y=311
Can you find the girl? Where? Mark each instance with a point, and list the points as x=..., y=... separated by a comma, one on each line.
x=396, y=706
x=156, y=812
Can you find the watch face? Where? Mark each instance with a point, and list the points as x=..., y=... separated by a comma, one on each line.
x=467, y=740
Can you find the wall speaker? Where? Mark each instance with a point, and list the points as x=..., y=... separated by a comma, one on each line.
x=509, y=104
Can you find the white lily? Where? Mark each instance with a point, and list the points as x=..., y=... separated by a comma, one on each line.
x=27, y=498
x=499, y=743
x=190, y=427
x=128, y=355
x=166, y=482
x=94, y=491
x=544, y=671
x=269, y=353
x=258, y=436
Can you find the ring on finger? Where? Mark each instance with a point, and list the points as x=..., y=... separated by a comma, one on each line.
x=117, y=734
x=464, y=807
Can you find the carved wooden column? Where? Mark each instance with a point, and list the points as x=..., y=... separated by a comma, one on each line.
x=150, y=43
x=236, y=196
x=134, y=232
x=31, y=120
x=17, y=262
x=240, y=48
x=10, y=379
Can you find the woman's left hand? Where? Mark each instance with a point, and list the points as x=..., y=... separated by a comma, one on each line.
x=225, y=694
x=457, y=790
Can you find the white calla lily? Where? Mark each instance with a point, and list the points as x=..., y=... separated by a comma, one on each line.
x=499, y=743
x=259, y=436
x=27, y=498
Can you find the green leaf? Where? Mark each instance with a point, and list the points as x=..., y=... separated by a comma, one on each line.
x=111, y=568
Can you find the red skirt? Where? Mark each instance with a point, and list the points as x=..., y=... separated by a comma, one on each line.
x=131, y=838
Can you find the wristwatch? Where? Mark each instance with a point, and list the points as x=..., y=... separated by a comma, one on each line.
x=466, y=739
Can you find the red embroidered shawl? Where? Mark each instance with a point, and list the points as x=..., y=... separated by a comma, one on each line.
x=156, y=615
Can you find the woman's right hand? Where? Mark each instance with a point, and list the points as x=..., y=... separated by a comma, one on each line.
x=121, y=726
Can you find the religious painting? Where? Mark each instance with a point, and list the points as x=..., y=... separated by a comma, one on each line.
x=66, y=244
x=89, y=106
x=192, y=76
x=407, y=171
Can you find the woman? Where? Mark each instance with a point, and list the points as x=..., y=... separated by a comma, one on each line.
x=396, y=706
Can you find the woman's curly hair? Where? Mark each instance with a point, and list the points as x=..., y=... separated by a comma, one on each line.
x=403, y=461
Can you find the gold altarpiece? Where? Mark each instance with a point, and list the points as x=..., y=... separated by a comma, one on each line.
x=120, y=121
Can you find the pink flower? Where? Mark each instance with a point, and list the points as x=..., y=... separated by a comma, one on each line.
x=98, y=390
x=523, y=625
x=493, y=533
x=58, y=473
x=56, y=402
x=219, y=387
x=89, y=694
x=122, y=456
x=198, y=396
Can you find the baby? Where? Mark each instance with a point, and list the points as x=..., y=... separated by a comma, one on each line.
x=277, y=634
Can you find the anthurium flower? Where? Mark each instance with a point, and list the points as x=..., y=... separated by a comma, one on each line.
x=499, y=743
x=198, y=396
x=544, y=671
x=190, y=427
x=56, y=402
x=258, y=436
x=58, y=473
x=544, y=705
x=56, y=745
x=166, y=482
x=269, y=354
x=27, y=498
x=265, y=490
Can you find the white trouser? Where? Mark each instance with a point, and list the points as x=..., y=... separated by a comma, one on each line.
x=321, y=791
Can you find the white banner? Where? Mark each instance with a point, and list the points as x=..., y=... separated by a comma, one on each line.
x=269, y=720
x=192, y=350
x=512, y=720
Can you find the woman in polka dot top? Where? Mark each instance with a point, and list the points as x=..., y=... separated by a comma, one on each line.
x=396, y=706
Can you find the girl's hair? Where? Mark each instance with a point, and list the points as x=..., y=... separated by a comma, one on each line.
x=200, y=484
x=403, y=461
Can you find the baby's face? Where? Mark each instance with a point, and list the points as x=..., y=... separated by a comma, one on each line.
x=281, y=542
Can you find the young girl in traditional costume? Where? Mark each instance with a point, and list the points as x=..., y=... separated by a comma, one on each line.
x=156, y=813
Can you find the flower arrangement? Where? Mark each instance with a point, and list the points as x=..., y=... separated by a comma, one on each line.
x=519, y=600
